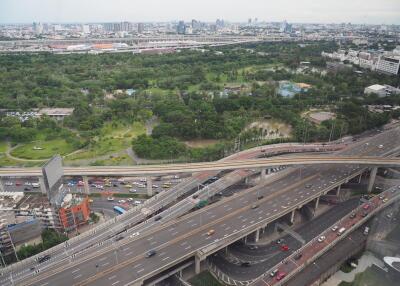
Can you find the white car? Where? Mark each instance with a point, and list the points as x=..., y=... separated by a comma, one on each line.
x=143, y=180
x=134, y=234
x=110, y=199
x=137, y=202
x=9, y=184
x=380, y=146
x=132, y=190
x=335, y=228
x=130, y=200
x=121, y=201
x=27, y=184
x=321, y=238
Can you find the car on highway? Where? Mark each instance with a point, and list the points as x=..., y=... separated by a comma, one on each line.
x=245, y=264
x=128, y=186
x=285, y=247
x=110, y=199
x=151, y=253
x=380, y=146
x=385, y=200
x=366, y=230
x=134, y=234
x=321, y=238
x=335, y=228
x=279, y=241
x=8, y=183
x=255, y=206
x=133, y=191
x=353, y=215
x=27, y=184
x=308, y=186
x=273, y=273
x=27, y=189
x=366, y=206
x=195, y=196
x=341, y=231
x=260, y=197
x=280, y=275
x=18, y=183
x=253, y=247
x=118, y=238
x=44, y=258
x=298, y=256
x=137, y=202
x=157, y=218
x=210, y=232
x=121, y=201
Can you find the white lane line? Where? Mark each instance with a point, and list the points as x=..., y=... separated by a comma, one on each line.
x=126, y=249
x=150, y=238
x=229, y=209
x=44, y=284
x=112, y=277
x=194, y=224
x=175, y=233
x=76, y=270
x=187, y=247
x=140, y=270
x=105, y=264
x=116, y=282
x=137, y=265
x=162, y=253
x=77, y=276
x=153, y=242
x=183, y=243
x=165, y=258
x=129, y=253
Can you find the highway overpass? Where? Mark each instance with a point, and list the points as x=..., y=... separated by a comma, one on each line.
x=151, y=170
x=184, y=238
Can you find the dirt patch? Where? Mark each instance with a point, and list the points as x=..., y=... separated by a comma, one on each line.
x=272, y=128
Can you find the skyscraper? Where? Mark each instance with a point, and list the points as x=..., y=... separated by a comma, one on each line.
x=140, y=28
x=181, y=28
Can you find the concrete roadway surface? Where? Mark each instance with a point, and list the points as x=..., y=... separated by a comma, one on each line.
x=181, y=238
x=314, y=247
x=267, y=256
x=164, y=198
x=160, y=200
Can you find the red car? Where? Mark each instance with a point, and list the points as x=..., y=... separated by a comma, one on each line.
x=280, y=275
x=18, y=183
x=365, y=207
x=285, y=247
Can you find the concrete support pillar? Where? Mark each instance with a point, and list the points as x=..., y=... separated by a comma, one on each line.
x=372, y=177
x=263, y=174
x=149, y=186
x=316, y=204
x=292, y=217
x=359, y=178
x=197, y=264
x=86, y=188
x=269, y=171
x=42, y=185
x=1, y=185
x=245, y=240
x=338, y=191
x=257, y=235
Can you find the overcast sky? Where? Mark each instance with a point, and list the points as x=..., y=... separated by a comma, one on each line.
x=321, y=11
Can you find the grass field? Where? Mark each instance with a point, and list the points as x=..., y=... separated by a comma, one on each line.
x=113, y=138
x=7, y=162
x=50, y=148
x=3, y=147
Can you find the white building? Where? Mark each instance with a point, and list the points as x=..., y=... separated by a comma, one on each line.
x=381, y=90
x=388, y=64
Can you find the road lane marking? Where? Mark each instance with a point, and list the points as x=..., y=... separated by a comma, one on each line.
x=187, y=247
x=140, y=270
x=129, y=253
x=116, y=282
x=112, y=277
x=165, y=258
x=105, y=264
x=77, y=276
x=137, y=265
x=76, y=270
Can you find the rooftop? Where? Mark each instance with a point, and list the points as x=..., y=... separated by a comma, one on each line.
x=376, y=87
x=56, y=111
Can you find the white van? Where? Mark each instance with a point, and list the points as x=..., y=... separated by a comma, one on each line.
x=35, y=185
x=341, y=231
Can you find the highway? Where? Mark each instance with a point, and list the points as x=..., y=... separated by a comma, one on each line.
x=232, y=217
x=104, y=233
x=211, y=166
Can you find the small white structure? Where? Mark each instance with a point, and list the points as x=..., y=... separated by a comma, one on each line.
x=381, y=90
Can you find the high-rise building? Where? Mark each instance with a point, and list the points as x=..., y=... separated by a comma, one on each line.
x=38, y=28
x=140, y=28
x=389, y=64
x=85, y=29
x=181, y=28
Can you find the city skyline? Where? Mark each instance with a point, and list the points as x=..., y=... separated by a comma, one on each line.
x=301, y=11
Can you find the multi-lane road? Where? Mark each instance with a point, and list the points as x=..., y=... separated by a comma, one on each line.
x=125, y=262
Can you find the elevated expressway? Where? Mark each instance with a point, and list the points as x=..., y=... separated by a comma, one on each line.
x=185, y=238
x=105, y=233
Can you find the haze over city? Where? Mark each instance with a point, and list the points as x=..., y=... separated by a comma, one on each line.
x=305, y=11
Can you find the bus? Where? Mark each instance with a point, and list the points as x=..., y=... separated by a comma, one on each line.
x=119, y=210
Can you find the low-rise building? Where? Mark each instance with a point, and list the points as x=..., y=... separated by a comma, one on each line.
x=389, y=64
x=56, y=113
x=381, y=90
x=74, y=211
